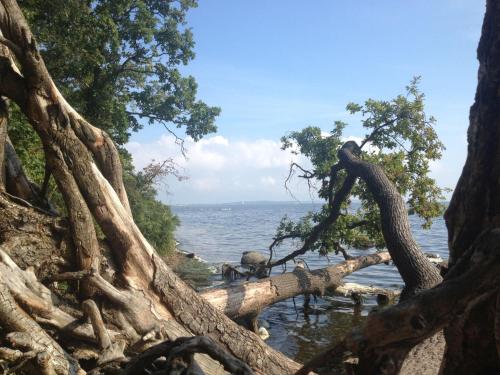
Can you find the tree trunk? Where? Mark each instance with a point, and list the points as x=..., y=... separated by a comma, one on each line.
x=472, y=337
x=417, y=271
x=4, y=114
x=251, y=297
x=145, y=299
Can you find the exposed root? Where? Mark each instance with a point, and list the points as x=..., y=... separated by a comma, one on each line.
x=179, y=355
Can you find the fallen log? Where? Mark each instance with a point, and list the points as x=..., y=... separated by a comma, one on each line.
x=250, y=297
x=348, y=289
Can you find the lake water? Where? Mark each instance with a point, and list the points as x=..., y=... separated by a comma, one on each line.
x=220, y=233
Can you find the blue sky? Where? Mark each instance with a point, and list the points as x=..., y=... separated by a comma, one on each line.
x=277, y=66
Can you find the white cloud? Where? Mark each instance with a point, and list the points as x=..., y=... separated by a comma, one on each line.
x=368, y=147
x=268, y=181
x=206, y=184
x=220, y=169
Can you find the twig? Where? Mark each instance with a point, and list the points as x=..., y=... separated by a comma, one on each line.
x=314, y=235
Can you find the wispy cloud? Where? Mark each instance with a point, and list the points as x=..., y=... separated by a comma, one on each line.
x=220, y=169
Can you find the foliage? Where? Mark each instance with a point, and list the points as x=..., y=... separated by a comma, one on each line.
x=117, y=62
x=401, y=139
x=155, y=219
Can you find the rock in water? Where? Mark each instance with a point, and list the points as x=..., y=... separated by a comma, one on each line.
x=263, y=333
x=253, y=258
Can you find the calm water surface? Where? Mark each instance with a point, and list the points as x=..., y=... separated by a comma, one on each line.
x=220, y=233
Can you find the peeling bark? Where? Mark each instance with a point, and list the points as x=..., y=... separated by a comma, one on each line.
x=145, y=299
x=28, y=335
x=250, y=297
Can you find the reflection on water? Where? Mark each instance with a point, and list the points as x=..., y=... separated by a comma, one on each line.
x=302, y=336
x=220, y=233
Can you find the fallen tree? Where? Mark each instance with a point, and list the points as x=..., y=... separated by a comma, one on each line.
x=144, y=298
x=120, y=299
x=251, y=297
x=465, y=305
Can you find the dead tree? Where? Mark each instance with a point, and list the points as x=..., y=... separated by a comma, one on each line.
x=250, y=297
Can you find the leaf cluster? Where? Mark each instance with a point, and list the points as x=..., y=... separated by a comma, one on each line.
x=401, y=139
x=117, y=62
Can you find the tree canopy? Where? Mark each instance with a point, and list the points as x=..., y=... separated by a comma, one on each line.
x=126, y=311
x=118, y=63
x=400, y=138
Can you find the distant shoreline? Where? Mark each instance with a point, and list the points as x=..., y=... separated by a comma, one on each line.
x=243, y=203
x=255, y=203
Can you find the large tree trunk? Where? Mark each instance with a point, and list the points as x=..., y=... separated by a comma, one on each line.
x=417, y=271
x=4, y=115
x=147, y=301
x=473, y=337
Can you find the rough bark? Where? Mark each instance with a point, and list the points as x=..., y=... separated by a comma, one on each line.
x=415, y=269
x=251, y=297
x=33, y=239
x=475, y=204
x=387, y=336
x=475, y=208
x=26, y=334
x=3, y=138
x=145, y=299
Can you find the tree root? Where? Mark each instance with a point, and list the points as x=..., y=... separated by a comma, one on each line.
x=387, y=337
x=179, y=355
x=25, y=334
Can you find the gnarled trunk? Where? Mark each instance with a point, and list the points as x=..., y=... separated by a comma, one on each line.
x=145, y=299
x=472, y=337
x=417, y=271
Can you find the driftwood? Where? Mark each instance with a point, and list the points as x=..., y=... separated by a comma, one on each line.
x=143, y=298
x=348, y=289
x=250, y=297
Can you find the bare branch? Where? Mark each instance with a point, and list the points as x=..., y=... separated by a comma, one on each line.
x=308, y=175
x=340, y=196
x=178, y=140
x=155, y=170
